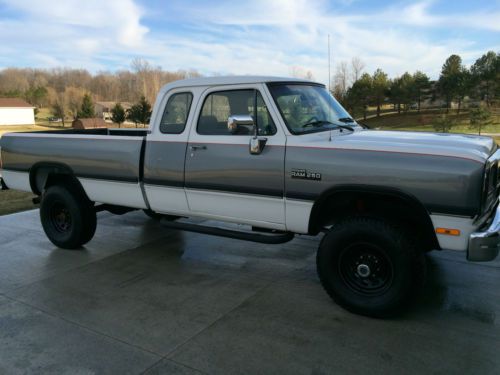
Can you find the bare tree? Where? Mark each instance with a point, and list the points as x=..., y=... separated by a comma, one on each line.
x=121, y=86
x=59, y=106
x=74, y=98
x=357, y=67
x=301, y=72
x=341, y=80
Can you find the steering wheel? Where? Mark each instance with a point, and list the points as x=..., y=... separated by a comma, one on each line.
x=312, y=119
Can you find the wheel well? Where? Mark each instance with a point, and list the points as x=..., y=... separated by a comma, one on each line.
x=44, y=175
x=339, y=203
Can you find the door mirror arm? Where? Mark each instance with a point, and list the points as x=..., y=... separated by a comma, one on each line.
x=236, y=122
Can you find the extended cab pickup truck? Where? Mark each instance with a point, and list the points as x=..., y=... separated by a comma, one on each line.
x=283, y=157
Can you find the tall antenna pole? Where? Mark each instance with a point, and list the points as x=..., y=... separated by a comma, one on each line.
x=329, y=75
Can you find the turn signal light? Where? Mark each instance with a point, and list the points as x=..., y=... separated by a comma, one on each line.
x=448, y=231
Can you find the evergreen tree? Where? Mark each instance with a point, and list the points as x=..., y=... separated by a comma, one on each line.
x=359, y=95
x=118, y=114
x=380, y=88
x=145, y=111
x=87, y=108
x=486, y=76
x=449, y=80
x=421, y=87
x=479, y=117
x=134, y=114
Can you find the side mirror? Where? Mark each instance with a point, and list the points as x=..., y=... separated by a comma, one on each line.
x=237, y=123
x=257, y=145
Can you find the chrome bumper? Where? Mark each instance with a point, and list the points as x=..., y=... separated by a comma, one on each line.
x=484, y=246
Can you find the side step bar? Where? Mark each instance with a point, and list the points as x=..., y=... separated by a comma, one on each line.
x=239, y=235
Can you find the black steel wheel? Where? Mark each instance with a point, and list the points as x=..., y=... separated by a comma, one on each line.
x=366, y=269
x=60, y=217
x=370, y=266
x=68, y=217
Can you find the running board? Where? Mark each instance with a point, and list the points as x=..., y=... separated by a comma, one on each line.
x=239, y=235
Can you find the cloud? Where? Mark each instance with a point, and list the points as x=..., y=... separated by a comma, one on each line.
x=116, y=20
x=259, y=37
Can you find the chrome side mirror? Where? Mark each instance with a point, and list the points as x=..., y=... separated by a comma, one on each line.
x=235, y=123
x=257, y=145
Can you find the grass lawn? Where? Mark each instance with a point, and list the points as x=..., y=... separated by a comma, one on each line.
x=15, y=201
x=423, y=121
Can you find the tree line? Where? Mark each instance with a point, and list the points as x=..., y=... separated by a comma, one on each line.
x=64, y=89
x=357, y=90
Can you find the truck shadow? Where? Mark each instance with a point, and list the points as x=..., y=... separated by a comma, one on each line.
x=452, y=289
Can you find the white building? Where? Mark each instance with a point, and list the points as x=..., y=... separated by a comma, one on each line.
x=103, y=109
x=15, y=111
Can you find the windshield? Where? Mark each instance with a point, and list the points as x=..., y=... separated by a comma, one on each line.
x=308, y=108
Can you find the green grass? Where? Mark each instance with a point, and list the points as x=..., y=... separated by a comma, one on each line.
x=15, y=201
x=423, y=121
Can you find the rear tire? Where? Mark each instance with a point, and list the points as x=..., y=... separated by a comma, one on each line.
x=370, y=266
x=68, y=217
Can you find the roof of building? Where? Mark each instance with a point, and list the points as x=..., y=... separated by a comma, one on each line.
x=229, y=80
x=85, y=123
x=14, y=103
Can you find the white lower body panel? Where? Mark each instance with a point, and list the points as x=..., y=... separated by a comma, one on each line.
x=167, y=200
x=255, y=210
x=298, y=213
x=17, y=180
x=111, y=192
x=464, y=225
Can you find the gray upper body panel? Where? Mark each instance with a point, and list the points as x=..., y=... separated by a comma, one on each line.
x=443, y=172
x=103, y=157
x=164, y=163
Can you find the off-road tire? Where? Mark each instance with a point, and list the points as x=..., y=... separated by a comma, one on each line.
x=68, y=217
x=370, y=266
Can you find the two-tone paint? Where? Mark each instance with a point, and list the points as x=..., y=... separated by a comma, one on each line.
x=216, y=176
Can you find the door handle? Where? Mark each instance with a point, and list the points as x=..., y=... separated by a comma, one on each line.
x=198, y=147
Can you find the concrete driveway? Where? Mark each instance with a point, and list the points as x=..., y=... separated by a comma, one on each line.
x=143, y=299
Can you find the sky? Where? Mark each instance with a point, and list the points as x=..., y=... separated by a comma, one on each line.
x=264, y=37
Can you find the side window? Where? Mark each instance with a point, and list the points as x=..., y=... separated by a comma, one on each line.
x=176, y=113
x=218, y=106
x=264, y=120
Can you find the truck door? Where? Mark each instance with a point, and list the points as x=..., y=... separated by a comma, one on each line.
x=165, y=153
x=223, y=179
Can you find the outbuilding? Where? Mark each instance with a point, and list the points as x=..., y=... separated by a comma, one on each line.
x=15, y=111
x=90, y=123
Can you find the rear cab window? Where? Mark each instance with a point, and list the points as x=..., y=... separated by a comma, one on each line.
x=176, y=113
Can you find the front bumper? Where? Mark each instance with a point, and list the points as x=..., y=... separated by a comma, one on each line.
x=484, y=246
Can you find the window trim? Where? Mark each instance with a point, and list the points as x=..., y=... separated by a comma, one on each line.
x=187, y=113
x=255, y=91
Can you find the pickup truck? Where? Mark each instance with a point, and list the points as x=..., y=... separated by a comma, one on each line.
x=283, y=158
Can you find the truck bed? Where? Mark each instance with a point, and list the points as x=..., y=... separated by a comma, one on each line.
x=107, y=154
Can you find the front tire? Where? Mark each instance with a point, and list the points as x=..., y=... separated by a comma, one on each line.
x=68, y=218
x=370, y=266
